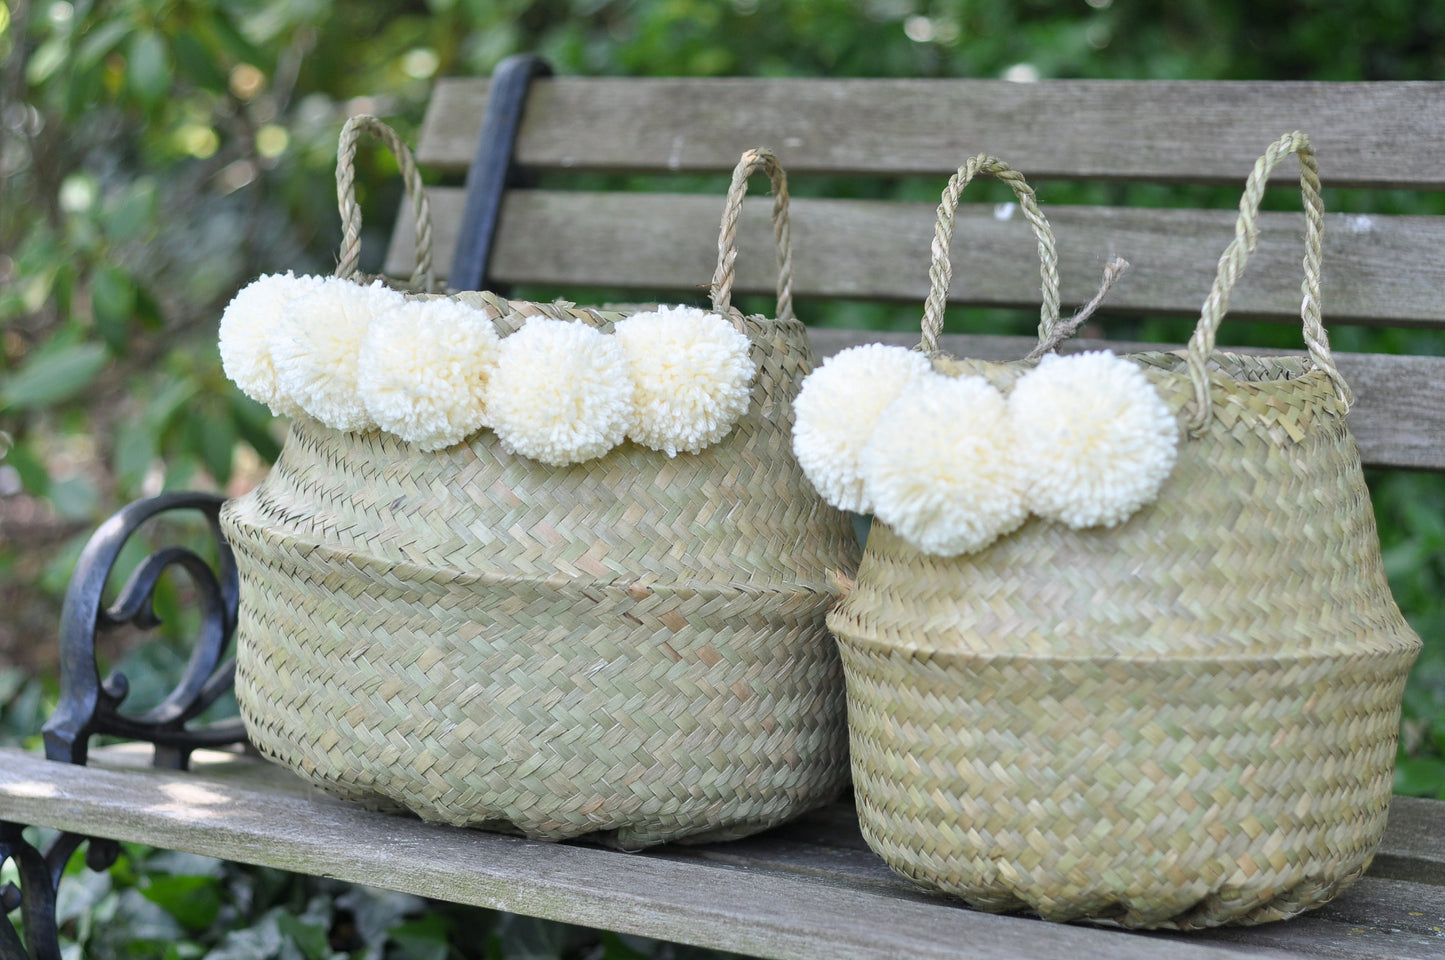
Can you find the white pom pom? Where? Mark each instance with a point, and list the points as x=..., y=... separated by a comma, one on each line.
x=245, y=336
x=1093, y=438
x=938, y=469
x=836, y=409
x=423, y=370
x=315, y=344
x=692, y=376
x=560, y=393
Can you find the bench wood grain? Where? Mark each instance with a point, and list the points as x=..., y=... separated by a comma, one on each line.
x=810, y=889
x=1379, y=270
x=1370, y=134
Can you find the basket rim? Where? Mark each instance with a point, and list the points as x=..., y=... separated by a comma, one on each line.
x=1292, y=368
x=605, y=313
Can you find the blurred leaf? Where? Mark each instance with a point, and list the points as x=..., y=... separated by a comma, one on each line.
x=83, y=92
x=53, y=376
x=214, y=438
x=148, y=66
x=99, y=42
x=255, y=422
x=180, y=472
x=616, y=946
x=262, y=941
x=11, y=680
x=376, y=911
x=46, y=59
x=195, y=902
x=529, y=938
x=135, y=451
x=55, y=575
x=33, y=474
x=426, y=938
x=133, y=214
x=1420, y=777
x=232, y=40
x=310, y=936
x=113, y=298
x=167, y=402
x=81, y=894
x=148, y=310
x=197, y=61
x=75, y=497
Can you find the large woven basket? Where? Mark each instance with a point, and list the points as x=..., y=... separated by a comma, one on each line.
x=630, y=649
x=1187, y=720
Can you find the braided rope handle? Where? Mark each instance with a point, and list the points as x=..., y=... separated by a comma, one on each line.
x=940, y=270
x=758, y=160
x=422, y=277
x=1236, y=255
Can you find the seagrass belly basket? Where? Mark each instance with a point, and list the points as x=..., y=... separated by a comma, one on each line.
x=1150, y=671
x=622, y=640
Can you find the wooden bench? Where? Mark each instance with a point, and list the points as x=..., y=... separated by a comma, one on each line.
x=810, y=889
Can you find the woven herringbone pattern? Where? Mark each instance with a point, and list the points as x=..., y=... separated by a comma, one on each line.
x=1185, y=720
x=631, y=647
x=1166, y=792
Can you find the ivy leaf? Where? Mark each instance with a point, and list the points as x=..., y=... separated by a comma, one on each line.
x=98, y=43
x=113, y=298
x=54, y=376
x=148, y=67
x=194, y=901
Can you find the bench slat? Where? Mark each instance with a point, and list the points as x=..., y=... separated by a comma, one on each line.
x=782, y=904
x=1373, y=134
x=1378, y=269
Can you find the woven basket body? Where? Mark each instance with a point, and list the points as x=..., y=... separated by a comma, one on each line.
x=1186, y=720
x=631, y=644
x=630, y=648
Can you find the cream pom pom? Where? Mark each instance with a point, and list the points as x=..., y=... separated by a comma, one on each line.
x=938, y=469
x=1093, y=438
x=423, y=370
x=245, y=334
x=560, y=393
x=835, y=412
x=692, y=375
x=315, y=344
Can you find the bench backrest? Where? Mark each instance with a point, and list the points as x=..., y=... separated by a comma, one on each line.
x=1381, y=269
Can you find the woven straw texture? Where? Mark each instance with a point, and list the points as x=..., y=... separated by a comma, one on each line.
x=630, y=649
x=1184, y=721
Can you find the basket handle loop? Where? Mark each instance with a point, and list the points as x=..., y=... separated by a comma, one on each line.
x=1231, y=266
x=940, y=270
x=422, y=277
x=757, y=160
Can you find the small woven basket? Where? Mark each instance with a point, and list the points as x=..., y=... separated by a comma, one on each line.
x=1186, y=720
x=630, y=648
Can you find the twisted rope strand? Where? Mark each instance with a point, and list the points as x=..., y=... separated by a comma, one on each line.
x=940, y=269
x=350, y=254
x=1231, y=267
x=1113, y=270
x=759, y=160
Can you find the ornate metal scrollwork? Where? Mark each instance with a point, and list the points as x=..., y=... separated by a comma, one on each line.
x=40, y=884
x=89, y=705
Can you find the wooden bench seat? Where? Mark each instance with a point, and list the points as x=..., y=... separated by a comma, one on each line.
x=811, y=889
x=865, y=158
